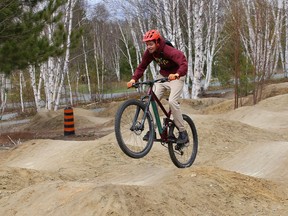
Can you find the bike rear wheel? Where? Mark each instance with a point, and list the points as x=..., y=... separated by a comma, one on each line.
x=128, y=130
x=186, y=156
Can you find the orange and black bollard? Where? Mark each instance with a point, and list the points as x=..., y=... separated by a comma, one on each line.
x=68, y=121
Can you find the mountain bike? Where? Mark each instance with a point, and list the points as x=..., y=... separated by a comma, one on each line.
x=133, y=120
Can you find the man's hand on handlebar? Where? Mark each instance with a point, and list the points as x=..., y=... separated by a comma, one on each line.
x=130, y=83
x=173, y=76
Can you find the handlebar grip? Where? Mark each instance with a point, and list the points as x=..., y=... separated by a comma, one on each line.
x=135, y=85
x=165, y=79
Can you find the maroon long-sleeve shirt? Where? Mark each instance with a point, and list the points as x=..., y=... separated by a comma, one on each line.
x=169, y=59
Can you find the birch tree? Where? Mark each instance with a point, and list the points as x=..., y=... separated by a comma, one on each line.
x=125, y=41
x=116, y=59
x=3, y=95
x=286, y=39
x=212, y=38
x=135, y=40
x=86, y=68
x=198, y=18
x=104, y=45
x=169, y=24
x=51, y=46
x=29, y=44
x=278, y=15
x=21, y=81
x=33, y=80
x=260, y=41
x=68, y=17
x=189, y=77
x=21, y=33
x=96, y=63
x=137, y=13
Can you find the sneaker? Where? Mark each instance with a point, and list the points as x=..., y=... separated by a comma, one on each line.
x=182, y=140
x=146, y=136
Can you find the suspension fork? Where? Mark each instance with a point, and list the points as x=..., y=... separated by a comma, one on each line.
x=146, y=112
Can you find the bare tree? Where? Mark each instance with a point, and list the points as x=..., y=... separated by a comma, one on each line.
x=260, y=42
x=214, y=28
x=69, y=17
x=194, y=27
x=235, y=28
x=125, y=41
x=86, y=68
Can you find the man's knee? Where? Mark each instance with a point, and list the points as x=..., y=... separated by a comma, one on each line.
x=173, y=104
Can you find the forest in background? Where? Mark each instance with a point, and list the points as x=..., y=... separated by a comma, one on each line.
x=55, y=49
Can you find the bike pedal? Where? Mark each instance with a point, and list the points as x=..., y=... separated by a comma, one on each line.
x=180, y=147
x=146, y=137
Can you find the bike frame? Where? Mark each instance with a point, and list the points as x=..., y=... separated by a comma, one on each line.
x=136, y=142
x=154, y=101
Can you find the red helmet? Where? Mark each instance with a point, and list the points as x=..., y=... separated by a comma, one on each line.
x=151, y=35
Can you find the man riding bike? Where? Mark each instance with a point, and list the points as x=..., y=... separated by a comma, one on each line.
x=173, y=64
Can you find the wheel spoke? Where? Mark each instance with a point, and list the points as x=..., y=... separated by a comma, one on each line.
x=129, y=130
x=186, y=155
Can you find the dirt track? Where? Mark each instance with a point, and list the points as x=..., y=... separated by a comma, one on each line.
x=241, y=168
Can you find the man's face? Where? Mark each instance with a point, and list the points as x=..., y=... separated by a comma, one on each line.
x=151, y=46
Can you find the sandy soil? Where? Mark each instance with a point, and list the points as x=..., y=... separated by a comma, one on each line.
x=241, y=167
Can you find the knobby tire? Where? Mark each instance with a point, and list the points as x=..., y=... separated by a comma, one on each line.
x=130, y=140
x=189, y=152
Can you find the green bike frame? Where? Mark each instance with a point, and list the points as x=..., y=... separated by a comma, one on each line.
x=154, y=100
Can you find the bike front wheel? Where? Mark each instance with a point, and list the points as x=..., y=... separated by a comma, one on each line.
x=185, y=156
x=131, y=125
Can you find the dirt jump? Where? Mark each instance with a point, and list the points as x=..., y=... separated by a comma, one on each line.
x=240, y=169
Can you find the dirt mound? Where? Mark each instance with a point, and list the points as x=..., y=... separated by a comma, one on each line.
x=110, y=110
x=269, y=114
x=95, y=178
x=240, y=168
x=271, y=161
x=50, y=124
x=196, y=106
x=54, y=120
x=225, y=194
x=273, y=90
x=228, y=104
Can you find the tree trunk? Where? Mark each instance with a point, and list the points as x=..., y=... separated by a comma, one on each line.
x=86, y=69
x=37, y=98
x=69, y=14
x=96, y=65
x=211, y=39
x=286, y=39
x=262, y=45
x=125, y=41
x=21, y=90
x=199, y=56
x=3, y=94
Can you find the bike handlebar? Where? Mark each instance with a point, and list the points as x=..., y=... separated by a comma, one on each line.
x=150, y=82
